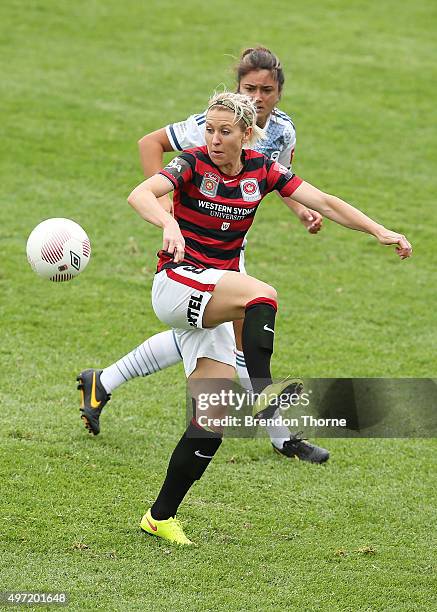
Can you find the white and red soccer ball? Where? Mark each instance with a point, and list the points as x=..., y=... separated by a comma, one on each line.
x=58, y=249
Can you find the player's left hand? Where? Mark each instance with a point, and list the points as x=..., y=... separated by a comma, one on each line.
x=312, y=220
x=172, y=241
x=403, y=248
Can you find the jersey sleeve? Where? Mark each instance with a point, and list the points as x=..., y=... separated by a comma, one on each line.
x=287, y=153
x=180, y=170
x=187, y=134
x=280, y=178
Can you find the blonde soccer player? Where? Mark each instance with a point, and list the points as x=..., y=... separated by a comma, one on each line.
x=260, y=75
x=198, y=290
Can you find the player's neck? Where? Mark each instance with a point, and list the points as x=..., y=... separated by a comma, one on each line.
x=232, y=169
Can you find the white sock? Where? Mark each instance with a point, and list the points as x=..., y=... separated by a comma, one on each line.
x=242, y=372
x=156, y=353
x=278, y=433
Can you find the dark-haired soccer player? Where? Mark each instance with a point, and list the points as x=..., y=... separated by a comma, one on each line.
x=197, y=289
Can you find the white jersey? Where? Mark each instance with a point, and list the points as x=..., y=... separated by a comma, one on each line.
x=278, y=145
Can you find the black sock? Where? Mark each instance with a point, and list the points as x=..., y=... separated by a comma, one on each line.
x=258, y=336
x=189, y=460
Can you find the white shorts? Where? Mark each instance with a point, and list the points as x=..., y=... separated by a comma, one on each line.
x=216, y=343
x=179, y=298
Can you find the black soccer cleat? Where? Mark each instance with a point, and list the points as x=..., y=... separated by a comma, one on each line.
x=93, y=399
x=300, y=448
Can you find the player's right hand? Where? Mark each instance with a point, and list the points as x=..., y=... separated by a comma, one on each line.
x=403, y=247
x=173, y=242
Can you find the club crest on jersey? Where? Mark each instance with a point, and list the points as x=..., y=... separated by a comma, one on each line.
x=209, y=185
x=225, y=226
x=250, y=190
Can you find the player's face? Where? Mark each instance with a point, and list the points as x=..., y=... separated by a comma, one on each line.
x=264, y=91
x=224, y=139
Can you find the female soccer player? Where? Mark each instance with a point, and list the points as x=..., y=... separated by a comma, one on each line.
x=197, y=288
x=260, y=75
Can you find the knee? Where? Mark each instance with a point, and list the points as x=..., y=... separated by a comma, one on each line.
x=271, y=293
x=263, y=290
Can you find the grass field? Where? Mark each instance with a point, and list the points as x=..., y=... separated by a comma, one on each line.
x=81, y=82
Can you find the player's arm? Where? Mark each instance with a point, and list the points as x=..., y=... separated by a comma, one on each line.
x=311, y=219
x=343, y=213
x=144, y=199
x=151, y=148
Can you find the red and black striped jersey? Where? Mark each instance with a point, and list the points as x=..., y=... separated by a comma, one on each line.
x=214, y=211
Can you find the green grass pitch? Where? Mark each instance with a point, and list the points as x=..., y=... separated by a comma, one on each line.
x=81, y=82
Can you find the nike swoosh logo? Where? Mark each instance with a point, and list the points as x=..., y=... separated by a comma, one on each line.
x=230, y=181
x=94, y=402
x=267, y=328
x=152, y=527
x=199, y=454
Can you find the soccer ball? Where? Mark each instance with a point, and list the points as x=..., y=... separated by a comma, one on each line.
x=58, y=249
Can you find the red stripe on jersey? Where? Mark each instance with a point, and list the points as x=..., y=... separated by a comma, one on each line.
x=263, y=300
x=190, y=282
x=192, y=258
x=169, y=177
x=209, y=241
x=212, y=262
x=291, y=186
x=214, y=201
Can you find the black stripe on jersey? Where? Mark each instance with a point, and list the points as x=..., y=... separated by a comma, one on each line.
x=226, y=236
x=251, y=165
x=189, y=157
x=192, y=203
x=200, y=119
x=209, y=251
x=280, y=183
x=175, y=140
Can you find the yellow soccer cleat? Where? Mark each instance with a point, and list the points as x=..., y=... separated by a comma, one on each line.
x=266, y=403
x=170, y=529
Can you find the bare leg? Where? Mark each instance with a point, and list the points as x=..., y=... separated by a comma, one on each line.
x=210, y=377
x=238, y=331
x=231, y=295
